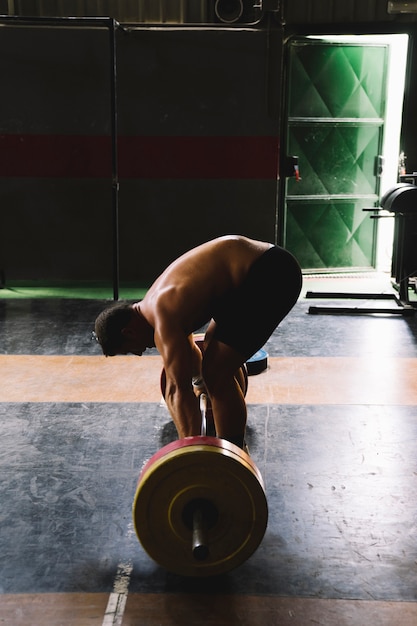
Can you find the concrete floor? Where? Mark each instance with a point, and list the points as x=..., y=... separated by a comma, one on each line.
x=332, y=428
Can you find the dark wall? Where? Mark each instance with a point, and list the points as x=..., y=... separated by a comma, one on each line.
x=55, y=165
x=198, y=122
x=199, y=142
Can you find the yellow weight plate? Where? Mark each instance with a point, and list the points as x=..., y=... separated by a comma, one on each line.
x=207, y=473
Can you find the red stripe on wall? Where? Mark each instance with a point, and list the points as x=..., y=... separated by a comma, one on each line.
x=55, y=156
x=198, y=157
x=75, y=156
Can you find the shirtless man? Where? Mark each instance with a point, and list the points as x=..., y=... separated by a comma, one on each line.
x=243, y=288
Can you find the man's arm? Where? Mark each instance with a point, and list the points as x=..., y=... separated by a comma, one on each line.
x=180, y=362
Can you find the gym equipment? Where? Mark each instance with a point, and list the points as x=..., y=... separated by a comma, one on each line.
x=200, y=507
x=400, y=202
x=257, y=363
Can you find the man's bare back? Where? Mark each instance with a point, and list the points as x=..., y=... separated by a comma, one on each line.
x=186, y=290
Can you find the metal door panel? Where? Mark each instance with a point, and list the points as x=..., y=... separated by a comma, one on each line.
x=336, y=104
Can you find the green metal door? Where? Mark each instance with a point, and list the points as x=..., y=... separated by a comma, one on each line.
x=336, y=103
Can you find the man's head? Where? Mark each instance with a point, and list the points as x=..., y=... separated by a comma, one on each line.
x=109, y=327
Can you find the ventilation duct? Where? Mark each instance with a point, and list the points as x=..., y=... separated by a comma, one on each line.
x=169, y=12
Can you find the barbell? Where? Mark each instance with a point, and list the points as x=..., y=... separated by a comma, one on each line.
x=200, y=507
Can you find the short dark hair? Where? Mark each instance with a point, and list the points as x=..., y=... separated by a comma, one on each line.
x=109, y=325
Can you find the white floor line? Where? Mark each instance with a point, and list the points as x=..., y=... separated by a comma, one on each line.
x=117, y=600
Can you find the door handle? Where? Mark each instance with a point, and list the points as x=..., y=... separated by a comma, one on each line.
x=292, y=169
x=379, y=165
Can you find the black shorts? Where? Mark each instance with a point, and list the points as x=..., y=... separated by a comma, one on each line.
x=247, y=316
